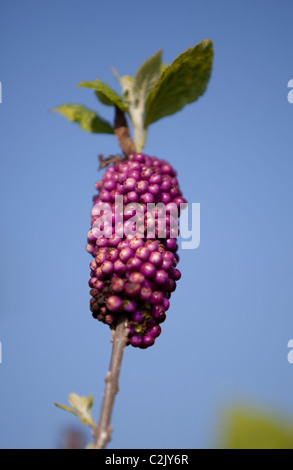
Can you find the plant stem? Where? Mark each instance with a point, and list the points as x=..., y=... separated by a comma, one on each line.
x=102, y=433
x=122, y=132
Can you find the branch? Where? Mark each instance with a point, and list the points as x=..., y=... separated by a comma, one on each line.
x=121, y=130
x=102, y=433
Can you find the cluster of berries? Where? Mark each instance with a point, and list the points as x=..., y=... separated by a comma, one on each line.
x=135, y=274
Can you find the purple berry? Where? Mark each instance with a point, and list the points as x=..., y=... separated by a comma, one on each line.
x=155, y=179
x=147, y=198
x=119, y=267
x=101, y=257
x=133, y=165
x=132, y=289
x=177, y=275
x=161, y=277
x=133, y=264
x=132, y=196
x=117, y=284
x=105, y=195
x=135, y=174
x=93, y=279
x=142, y=253
x=113, y=303
x=152, y=245
x=157, y=297
x=136, y=341
x=148, y=270
x=166, y=198
x=166, y=264
x=148, y=340
x=167, y=169
x=136, y=277
x=125, y=254
x=146, y=173
x=165, y=186
x=156, y=258
x=139, y=157
x=113, y=255
x=141, y=187
x=136, y=243
x=102, y=242
x=154, y=189
x=129, y=184
x=166, y=304
x=107, y=267
x=145, y=293
x=137, y=316
x=155, y=331
x=170, y=243
x=129, y=306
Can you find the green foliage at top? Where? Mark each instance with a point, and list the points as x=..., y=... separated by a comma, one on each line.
x=156, y=90
x=105, y=93
x=88, y=120
x=181, y=83
x=136, y=91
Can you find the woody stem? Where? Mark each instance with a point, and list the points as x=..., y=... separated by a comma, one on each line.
x=102, y=433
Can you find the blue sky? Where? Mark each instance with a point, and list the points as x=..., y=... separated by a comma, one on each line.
x=226, y=334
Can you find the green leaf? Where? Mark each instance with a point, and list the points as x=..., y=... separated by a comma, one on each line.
x=146, y=77
x=164, y=65
x=126, y=83
x=136, y=90
x=249, y=429
x=181, y=82
x=103, y=98
x=127, y=87
x=88, y=120
x=80, y=407
x=105, y=92
x=90, y=401
x=66, y=408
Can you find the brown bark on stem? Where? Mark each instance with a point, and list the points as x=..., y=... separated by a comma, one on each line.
x=121, y=130
x=103, y=430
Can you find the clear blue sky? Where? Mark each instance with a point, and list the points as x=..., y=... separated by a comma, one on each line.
x=226, y=334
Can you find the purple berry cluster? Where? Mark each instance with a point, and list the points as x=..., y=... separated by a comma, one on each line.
x=135, y=274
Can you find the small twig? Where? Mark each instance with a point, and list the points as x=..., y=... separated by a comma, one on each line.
x=102, y=433
x=111, y=159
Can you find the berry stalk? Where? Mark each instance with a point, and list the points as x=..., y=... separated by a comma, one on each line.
x=102, y=433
